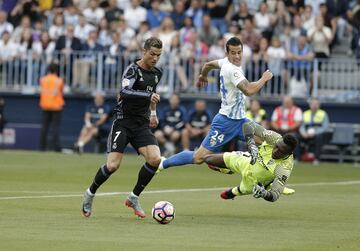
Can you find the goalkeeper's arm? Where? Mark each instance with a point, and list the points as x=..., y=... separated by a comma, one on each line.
x=281, y=176
x=260, y=132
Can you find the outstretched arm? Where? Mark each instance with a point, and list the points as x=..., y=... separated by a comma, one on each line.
x=282, y=174
x=251, y=128
x=250, y=88
x=211, y=65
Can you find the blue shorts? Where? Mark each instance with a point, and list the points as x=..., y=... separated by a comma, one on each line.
x=222, y=131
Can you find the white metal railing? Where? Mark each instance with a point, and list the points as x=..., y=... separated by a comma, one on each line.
x=337, y=80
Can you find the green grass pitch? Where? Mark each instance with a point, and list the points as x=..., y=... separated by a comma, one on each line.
x=41, y=193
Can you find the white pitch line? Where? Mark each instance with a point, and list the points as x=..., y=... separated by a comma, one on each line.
x=339, y=183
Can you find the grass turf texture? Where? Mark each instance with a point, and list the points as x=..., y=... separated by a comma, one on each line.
x=318, y=217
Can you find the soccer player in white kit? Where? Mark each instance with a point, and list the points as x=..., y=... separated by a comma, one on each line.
x=230, y=122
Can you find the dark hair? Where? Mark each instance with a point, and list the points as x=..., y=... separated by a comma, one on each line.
x=291, y=141
x=234, y=41
x=53, y=68
x=152, y=42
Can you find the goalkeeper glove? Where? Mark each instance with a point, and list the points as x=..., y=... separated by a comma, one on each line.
x=259, y=191
x=253, y=149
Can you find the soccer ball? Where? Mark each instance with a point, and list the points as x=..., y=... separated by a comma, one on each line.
x=163, y=212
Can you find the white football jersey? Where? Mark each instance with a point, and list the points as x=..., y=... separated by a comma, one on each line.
x=232, y=99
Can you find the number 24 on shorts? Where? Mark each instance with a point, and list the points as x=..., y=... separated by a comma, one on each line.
x=216, y=138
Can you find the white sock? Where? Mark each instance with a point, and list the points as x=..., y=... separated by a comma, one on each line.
x=81, y=144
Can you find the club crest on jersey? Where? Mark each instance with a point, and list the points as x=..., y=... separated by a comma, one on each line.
x=114, y=145
x=236, y=74
x=156, y=79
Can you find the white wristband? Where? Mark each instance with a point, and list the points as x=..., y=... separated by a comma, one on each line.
x=153, y=113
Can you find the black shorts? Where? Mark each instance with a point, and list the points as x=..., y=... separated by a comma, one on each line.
x=125, y=131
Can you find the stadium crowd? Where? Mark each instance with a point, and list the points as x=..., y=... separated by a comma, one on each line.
x=272, y=31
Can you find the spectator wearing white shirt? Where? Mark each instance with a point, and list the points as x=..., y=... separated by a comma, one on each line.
x=71, y=15
x=4, y=25
x=276, y=55
x=24, y=24
x=167, y=33
x=104, y=33
x=93, y=13
x=26, y=44
x=315, y=5
x=216, y=51
x=135, y=14
x=8, y=53
x=307, y=18
x=83, y=28
x=58, y=28
x=320, y=38
x=127, y=33
x=45, y=47
x=262, y=18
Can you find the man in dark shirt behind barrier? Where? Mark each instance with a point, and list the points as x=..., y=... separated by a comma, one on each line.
x=198, y=124
x=132, y=123
x=171, y=124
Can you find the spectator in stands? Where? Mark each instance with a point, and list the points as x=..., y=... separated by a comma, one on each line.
x=259, y=64
x=127, y=33
x=26, y=44
x=8, y=50
x=216, y=50
x=104, y=33
x=296, y=30
x=45, y=47
x=315, y=123
x=197, y=126
x=58, y=28
x=68, y=42
x=25, y=8
x=233, y=31
x=300, y=64
x=171, y=124
x=196, y=12
x=241, y=15
x=354, y=20
x=338, y=9
x=96, y=115
x=294, y=6
x=113, y=12
x=280, y=19
x=4, y=24
x=186, y=30
x=143, y=34
x=166, y=33
x=250, y=36
x=208, y=33
x=320, y=38
x=84, y=67
x=135, y=14
x=253, y=5
x=257, y=114
x=71, y=15
x=37, y=31
x=155, y=16
x=276, y=55
x=25, y=24
x=178, y=15
x=328, y=21
x=308, y=19
x=262, y=20
x=93, y=14
x=220, y=14
x=181, y=81
x=83, y=28
x=51, y=104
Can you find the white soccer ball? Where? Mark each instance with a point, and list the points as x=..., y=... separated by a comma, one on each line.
x=163, y=212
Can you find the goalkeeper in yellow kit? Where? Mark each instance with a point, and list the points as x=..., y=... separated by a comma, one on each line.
x=268, y=176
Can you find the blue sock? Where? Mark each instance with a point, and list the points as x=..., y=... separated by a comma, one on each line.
x=182, y=158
